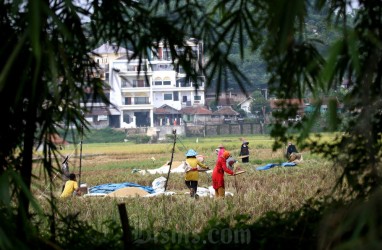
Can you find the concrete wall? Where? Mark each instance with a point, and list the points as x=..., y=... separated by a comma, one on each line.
x=222, y=129
x=199, y=130
x=167, y=130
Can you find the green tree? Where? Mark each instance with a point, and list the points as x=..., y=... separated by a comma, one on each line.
x=259, y=105
x=237, y=108
x=46, y=68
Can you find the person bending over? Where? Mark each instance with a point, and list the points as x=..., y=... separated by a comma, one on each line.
x=218, y=174
x=192, y=175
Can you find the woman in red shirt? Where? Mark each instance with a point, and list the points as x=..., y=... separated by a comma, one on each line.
x=218, y=174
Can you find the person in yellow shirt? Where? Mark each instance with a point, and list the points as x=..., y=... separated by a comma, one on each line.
x=192, y=175
x=71, y=187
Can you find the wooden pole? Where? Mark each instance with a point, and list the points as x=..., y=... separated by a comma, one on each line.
x=82, y=137
x=127, y=238
x=172, y=157
x=237, y=189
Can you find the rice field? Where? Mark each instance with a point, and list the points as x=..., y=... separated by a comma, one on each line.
x=254, y=192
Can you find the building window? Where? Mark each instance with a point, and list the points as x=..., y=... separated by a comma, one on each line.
x=126, y=118
x=102, y=118
x=139, y=83
x=158, y=81
x=176, y=96
x=167, y=97
x=167, y=81
x=155, y=53
x=123, y=83
x=197, y=98
x=184, y=82
x=180, y=70
x=184, y=98
x=127, y=100
x=141, y=100
x=166, y=54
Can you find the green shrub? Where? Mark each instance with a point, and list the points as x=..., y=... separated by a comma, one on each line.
x=138, y=139
x=104, y=135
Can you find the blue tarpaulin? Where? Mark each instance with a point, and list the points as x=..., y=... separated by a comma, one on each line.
x=271, y=165
x=111, y=187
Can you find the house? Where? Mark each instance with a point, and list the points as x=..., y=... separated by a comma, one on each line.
x=100, y=115
x=106, y=53
x=221, y=102
x=225, y=114
x=138, y=87
x=167, y=115
x=324, y=103
x=234, y=95
x=246, y=105
x=196, y=114
x=279, y=104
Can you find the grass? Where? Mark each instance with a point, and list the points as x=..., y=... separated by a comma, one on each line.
x=255, y=192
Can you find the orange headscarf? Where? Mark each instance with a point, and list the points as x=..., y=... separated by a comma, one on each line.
x=226, y=154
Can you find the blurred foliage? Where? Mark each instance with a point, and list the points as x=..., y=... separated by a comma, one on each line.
x=259, y=106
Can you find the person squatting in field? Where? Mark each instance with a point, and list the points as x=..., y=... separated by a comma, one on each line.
x=218, y=174
x=71, y=187
x=192, y=175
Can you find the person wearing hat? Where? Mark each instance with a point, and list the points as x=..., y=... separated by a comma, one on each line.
x=218, y=174
x=290, y=149
x=192, y=175
x=65, y=171
x=220, y=150
x=244, y=151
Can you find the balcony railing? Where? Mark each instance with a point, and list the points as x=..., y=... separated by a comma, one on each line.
x=162, y=67
x=132, y=104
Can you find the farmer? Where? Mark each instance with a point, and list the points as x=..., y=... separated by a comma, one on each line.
x=220, y=150
x=65, y=172
x=230, y=162
x=244, y=151
x=290, y=149
x=192, y=175
x=71, y=187
x=296, y=158
x=218, y=174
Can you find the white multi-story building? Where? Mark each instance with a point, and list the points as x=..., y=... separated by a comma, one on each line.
x=139, y=87
x=99, y=114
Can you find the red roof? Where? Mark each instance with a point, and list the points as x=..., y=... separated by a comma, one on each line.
x=197, y=110
x=280, y=103
x=227, y=110
x=165, y=110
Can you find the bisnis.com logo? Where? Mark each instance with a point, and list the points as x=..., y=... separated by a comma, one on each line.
x=214, y=236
